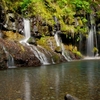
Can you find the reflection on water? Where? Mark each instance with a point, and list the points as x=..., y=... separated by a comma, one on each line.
x=80, y=79
x=90, y=76
x=27, y=87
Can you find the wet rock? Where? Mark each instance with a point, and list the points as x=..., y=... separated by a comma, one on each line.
x=51, y=88
x=23, y=56
x=3, y=59
x=70, y=97
x=31, y=40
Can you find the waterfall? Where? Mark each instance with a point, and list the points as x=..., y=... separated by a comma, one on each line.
x=26, y=30
x=65, y=53
x=91, y=37
x=40, y=53
x=10, y=61
x=90, y=42
x=59, y=43
x=37, y=50
x=57, y=39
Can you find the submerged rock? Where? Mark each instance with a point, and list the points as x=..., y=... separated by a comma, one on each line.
x=70, y=97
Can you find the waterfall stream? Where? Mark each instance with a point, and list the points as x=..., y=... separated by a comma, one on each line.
x=58, y=41
x=27, y=33
x=92, y=38
x=39, y=52
x=90, y=42
x=65, y=53
x=10, y=61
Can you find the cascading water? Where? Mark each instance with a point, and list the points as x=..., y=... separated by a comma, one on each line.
x=60, y=44
x=65, y=53
x=10, y=62
x=90, y=42
x=58, y=41
x=91, y=37
x=40, y=55
x=26, y=30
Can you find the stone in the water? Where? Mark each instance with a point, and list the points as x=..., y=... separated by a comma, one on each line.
x=70, y=97
x=51, y=88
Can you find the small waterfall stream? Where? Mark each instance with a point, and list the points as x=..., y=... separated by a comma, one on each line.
x=58, y=41
x=27, y=33
x=36, y=49
x=10, y=62
x=65, y=53
x=61, y=45
x=40, y=53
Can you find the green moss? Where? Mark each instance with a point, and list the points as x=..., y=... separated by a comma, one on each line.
x=78, y=54
x=95, y=49
x=58, y=49
x=43, y=42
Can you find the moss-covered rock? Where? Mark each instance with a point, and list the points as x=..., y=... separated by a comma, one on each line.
x=49, y=44
x=9, y=35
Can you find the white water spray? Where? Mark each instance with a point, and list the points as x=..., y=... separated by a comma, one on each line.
x=90, y=43
x=39, y=54
x=26, y=30
x=57, y=39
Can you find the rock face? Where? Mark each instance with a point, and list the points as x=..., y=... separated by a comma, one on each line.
x=3, y=59
x=23, y=56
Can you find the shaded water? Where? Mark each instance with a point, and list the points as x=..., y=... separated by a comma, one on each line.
x=78, y=78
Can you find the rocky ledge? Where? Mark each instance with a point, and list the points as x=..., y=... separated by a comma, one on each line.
x=22, y=55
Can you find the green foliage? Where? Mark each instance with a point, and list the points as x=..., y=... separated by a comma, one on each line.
x=62, y=3
x=95, y=50
x=64, y=10
x=81, y=5
x=24, y=4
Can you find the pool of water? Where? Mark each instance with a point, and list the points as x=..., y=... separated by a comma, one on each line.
x=78, y=78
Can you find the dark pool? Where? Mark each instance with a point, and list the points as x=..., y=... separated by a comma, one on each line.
x=78, y=78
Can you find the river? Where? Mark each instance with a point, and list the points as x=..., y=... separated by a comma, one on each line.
x=78, y=78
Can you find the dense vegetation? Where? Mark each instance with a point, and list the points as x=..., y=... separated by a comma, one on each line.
x=64, y=10
x=73, y=15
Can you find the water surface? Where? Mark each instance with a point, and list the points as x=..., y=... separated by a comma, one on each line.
x=78, y=78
